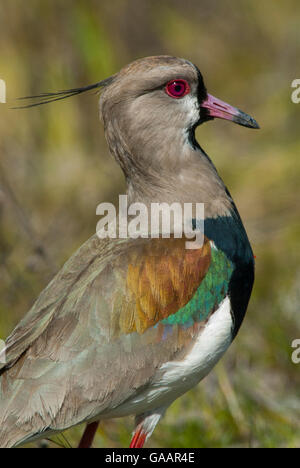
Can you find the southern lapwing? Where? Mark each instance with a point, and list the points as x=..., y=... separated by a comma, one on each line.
x=129, y=325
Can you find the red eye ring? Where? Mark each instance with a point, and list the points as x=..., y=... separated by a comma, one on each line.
x=177, y=88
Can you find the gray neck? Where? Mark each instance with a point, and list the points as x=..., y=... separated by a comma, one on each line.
x=169, y=170
x=190, y=178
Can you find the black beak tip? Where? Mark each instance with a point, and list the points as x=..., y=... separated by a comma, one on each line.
x=244, y=119
x=254, y=124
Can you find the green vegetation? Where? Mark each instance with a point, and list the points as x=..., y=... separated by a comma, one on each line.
x=55, y=168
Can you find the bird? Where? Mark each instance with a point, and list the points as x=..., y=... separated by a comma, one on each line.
x=131, y=324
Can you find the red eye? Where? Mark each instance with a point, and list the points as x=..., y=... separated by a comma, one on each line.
x=177, y=88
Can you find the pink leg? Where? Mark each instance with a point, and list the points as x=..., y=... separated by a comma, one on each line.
x=88, y=435
x=138, y=439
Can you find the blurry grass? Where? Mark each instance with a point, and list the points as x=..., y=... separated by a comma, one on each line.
x=55, y=169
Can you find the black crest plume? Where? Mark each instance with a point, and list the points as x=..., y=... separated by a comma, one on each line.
x=46, y=98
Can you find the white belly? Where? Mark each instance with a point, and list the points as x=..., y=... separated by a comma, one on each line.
x=176, y=377
x=206, y=352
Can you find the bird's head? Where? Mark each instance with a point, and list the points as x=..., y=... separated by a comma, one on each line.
x=169, y=91
x=151, y=107
x=154, y=105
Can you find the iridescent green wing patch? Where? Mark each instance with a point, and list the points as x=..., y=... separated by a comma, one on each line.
x=212, y=290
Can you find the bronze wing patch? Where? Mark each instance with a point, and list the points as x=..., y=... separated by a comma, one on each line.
x=162, y=276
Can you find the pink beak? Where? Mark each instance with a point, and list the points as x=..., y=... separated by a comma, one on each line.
x=222, y=110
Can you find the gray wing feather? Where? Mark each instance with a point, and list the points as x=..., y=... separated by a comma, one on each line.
x=65, y=362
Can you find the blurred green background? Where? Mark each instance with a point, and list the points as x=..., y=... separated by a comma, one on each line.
x=55, y=168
